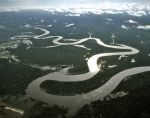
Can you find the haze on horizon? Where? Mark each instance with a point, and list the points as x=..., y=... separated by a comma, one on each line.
x=10, y=3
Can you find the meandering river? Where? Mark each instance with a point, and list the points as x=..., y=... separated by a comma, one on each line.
x=77, y=101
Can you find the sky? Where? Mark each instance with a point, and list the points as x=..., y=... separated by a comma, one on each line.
x=10, y=3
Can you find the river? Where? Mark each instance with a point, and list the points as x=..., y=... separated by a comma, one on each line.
x=77, y=101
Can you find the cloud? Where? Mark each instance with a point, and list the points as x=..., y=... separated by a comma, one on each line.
x=147, y=27
x=62, y=2
x=136, y=13
x=124, y=27
x=133, y=9
x=113, y=12
x=9, y=10
x=131, y=21
x=142, y=13
x=73, y=15
x=108, y=19
x=69, y=25
x=97, y=11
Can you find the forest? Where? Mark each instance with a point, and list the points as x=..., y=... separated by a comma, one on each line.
x=135, y=104
x=16, y=76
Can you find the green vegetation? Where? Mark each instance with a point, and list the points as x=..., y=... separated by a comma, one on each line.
x=73, y=88
x=42, y=42
x=16, y=77
x=43, y=110
x=135, y=104
x=62, y=55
